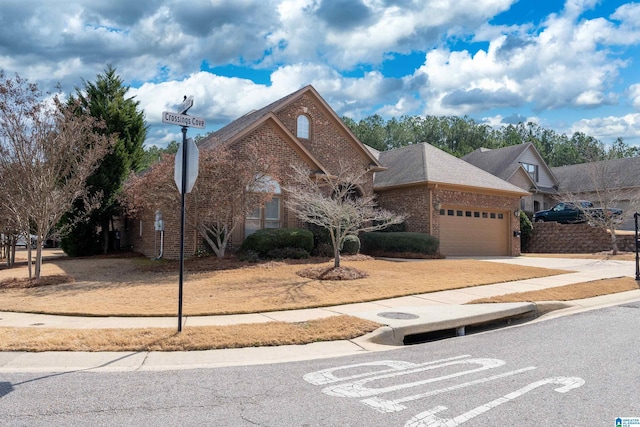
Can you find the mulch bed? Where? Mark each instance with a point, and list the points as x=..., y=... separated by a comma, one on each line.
x=56, y=279
x=331, y=273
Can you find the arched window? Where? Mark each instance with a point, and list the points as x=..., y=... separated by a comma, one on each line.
x=267, y=215
x=302, y=128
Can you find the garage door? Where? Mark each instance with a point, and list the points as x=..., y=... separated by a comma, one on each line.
x=465, y=231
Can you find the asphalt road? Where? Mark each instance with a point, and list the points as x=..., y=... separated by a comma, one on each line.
x=579, y=370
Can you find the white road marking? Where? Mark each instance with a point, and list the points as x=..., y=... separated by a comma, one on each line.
x=429, y=419
x=358, y=388
x=326, y=376
x=386, y=406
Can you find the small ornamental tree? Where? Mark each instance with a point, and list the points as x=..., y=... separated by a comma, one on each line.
x=334, y=203
x=231, y=182
x=47, y=151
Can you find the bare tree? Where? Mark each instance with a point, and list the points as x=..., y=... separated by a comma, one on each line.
x=47, y=151
x=601, y=183
x=232, y=181
x=335, y=203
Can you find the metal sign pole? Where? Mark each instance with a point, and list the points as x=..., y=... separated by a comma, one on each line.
x=182, y=223
x=181, y=176
x=635, y=216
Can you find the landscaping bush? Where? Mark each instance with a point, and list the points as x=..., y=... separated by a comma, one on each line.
x=323, y=250
x=395, y=228
x=320, y=234
x=263, y=241
x=249, y=256
x=376, y=243
x=526, y=230
x=288, y=253
x=351, y=245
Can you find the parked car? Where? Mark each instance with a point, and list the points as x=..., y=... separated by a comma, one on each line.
x=23, y=242
x=571, y=213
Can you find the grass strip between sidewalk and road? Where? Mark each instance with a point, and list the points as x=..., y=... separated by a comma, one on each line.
x=190, y=339
x=571, y=292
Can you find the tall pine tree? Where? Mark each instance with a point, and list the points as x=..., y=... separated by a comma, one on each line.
x=106, y=100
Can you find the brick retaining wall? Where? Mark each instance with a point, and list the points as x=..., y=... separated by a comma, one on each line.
x=552, y=237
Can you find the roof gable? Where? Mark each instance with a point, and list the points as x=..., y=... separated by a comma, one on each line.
x=504, y=162
x=501, y=162
x=239, y=127
x=424, y=163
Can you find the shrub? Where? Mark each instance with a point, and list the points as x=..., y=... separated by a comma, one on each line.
x=395, y=228
x=320, y=234
x=249, y=256
x=262, y=241
x=379, y=242
x=288, y=253
x=323, y=250
x=526, y=230
x=351, y=245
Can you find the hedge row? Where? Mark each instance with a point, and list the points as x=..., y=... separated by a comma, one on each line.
x=398, y=242
x=279, y=243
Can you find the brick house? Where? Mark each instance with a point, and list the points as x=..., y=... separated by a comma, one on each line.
x=471, y=211
x=303, y=130
x=300, y=129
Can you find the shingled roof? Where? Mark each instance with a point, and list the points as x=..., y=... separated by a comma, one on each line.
x=227, y=132
x=501, y=162
x=618, y=173
x=424, y=163
x=255, y=118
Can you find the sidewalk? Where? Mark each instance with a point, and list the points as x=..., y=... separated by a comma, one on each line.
x=401, y=316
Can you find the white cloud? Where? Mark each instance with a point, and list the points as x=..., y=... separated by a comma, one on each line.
x=561, y=65
x=563, y=61
x=634, y=95
x=610, y=128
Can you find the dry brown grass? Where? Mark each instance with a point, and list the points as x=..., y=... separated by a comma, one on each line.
x=137, y=286
x=569, y=292
x=190, y=339
x=121, y=287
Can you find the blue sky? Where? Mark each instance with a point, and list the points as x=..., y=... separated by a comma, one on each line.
x=568, y=66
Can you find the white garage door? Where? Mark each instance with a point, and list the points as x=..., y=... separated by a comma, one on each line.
x=468, y=231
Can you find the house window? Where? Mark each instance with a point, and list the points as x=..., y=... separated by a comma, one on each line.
x=267, y=215
x=532, y=170
x=302, y=129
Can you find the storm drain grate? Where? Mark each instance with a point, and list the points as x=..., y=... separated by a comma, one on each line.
x=398, y=315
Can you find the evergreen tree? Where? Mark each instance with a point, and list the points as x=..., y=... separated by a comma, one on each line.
x=106, y=100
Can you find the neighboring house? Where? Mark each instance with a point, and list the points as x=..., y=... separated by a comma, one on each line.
x=615, y=183
x=521, y=165
x=471, y=211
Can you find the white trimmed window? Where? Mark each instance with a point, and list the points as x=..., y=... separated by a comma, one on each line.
x=268, y=215
x=302, y=127
x=532, y=170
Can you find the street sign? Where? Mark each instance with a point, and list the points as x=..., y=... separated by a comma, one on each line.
x=192, y=166
x=186, y=104
x=182, y=120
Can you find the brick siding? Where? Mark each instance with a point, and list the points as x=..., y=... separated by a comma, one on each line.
x=328, y=142
x=418, y=204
